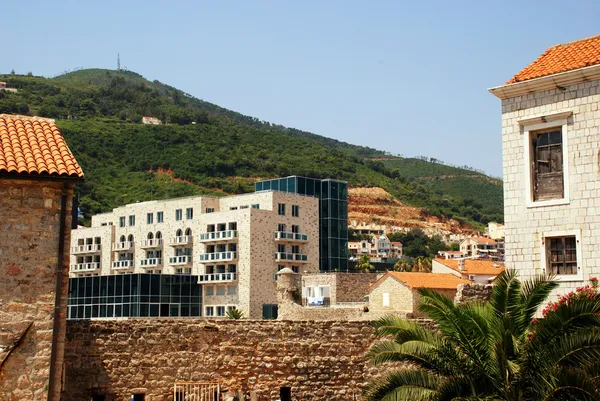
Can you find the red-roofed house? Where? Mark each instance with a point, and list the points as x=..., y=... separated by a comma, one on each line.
x=550, y=139
x=37, y=175
x=396, y=292
x=479, y=246
x=478, y=271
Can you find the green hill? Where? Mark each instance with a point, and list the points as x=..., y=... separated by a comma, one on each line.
x=206, y=149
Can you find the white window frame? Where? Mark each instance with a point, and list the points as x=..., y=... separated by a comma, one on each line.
x=530, y=125
x=543, y=248
x=386, y=299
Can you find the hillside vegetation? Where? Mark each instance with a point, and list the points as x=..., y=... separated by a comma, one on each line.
x=206, y=149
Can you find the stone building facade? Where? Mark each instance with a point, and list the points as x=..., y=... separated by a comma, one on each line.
x=37, y=175
x=232, y=245
x=551, y=142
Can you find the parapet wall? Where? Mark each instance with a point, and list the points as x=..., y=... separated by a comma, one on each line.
x=318, y=360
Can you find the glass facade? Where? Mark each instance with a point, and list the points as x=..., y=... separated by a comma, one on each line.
x=134, y=295
x=333, y=215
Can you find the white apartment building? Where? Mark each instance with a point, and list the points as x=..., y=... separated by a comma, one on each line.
x=233, y=245
x=550, y=140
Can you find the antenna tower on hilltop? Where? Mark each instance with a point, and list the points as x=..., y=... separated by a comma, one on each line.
x=118, y=62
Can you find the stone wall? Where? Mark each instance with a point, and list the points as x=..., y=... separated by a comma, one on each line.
x=318, y=360
x=352, y=287
x=472, y=292
x=29, y=239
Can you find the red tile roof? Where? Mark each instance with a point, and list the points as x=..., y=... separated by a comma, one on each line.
x=474, y=266
x=561, y=58
x=438, y=281
x=483, y=240
x=35, y=146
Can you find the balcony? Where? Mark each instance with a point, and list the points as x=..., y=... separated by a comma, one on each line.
x=85, y=267
x=180, y=260
x=218, y=236
x=290, y=237
x=152, y=243
x=217, y=277
x=229, y=255
x=122, y=246
x=291, y=257
x=180, y=241
x=122, y=264
x=89, y=248
x=151, y=262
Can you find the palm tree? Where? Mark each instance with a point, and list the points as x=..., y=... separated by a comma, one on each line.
x=495, y=350
x=234, y=313
x=403, y=266
x=364, y=264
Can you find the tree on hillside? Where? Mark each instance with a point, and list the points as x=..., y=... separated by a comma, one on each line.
x=495, y=350
x=364, y=264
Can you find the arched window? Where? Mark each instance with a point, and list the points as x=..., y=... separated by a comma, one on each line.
x=188, y=232
x=150, y=235
x=179, y=233
x=122, y=239
x=130, y=238
x=158, y=235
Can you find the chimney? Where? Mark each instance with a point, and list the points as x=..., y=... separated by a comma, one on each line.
x=461, y=265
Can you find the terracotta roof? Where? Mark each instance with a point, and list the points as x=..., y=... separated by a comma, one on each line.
x=484, y=240
x=438, y=281
x=35, y=146
x=396, y=243
x=561, y=58
x=474, y=266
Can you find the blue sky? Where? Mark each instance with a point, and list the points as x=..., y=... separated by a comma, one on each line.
x=405, y=77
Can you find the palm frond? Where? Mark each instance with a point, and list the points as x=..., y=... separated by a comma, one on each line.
x=535, y=292
x=404, y=384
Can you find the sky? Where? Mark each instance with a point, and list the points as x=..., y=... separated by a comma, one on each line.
x=410, y=78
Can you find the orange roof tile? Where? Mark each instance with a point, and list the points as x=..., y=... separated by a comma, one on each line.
x=484, y=240
x=474, y=266
x=35, y=146
x=438, y=281
x=561, y=58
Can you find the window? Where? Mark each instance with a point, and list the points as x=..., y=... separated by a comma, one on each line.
x=131, y=221
x=256, y=206
x=159, y=217
x=281, y=227
x=561, y=255
x=386, y=299
x=244, y=207
x=150, y=218
x=122, y=221
x=295, y=269
x=210, y=210
x=189, y=213
x=295, y=249
x=545, y=156
x=295, y=229
x=232, y=290
x=280, y=248
x=210, y=311
x=220, y=311
x=220, y=290
x=281, y=209
x=547, y=152
x=295, y=210
x=178, y=214
x=210, y=290
x=233, y=208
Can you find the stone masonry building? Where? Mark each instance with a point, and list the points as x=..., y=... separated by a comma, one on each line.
x=551, y=148
x=231, y=246
x=37, y=175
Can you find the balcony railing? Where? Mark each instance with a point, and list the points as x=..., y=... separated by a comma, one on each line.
x=287, y=236
x=122, y=246
x=152, y=243
x=183, y=240
x=218, y=236
x=151, y=262
x=290, y=257
x=89, y=248
x=85, y=267
x=122, y=264
x=229, y=255
x=217, y=277
x=180, y=260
